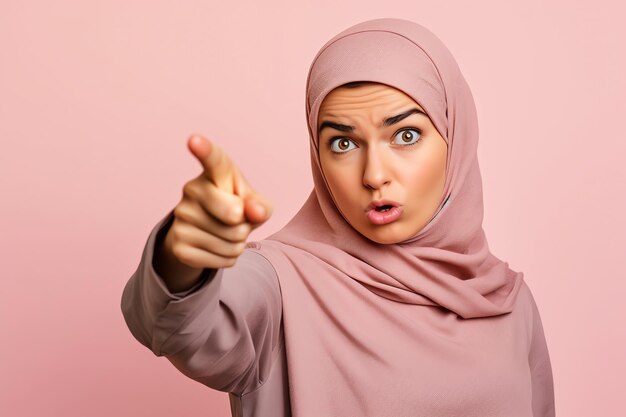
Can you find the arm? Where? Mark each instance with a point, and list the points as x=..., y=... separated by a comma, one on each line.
x=540, y=369
x=223, y=332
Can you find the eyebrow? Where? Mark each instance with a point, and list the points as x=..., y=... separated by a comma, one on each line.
x=388, y=121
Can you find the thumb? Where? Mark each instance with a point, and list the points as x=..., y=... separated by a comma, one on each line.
x=257, y=209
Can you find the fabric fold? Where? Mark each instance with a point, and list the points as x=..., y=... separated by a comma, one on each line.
x=225, y=332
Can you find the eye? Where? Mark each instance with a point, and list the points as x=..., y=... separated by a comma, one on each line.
x=409, y=136
x=406, y=136
x=342, y=144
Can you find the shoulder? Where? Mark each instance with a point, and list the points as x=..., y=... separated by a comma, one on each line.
x=255, y=272
x=255, y=261
x=526, y=298
x=527, y=304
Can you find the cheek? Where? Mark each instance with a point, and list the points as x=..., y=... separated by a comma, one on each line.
x=425, y=176
x=341, y=180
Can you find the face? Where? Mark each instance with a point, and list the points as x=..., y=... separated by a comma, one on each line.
x=364, y=159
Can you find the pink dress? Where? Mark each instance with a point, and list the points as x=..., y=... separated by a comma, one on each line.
x=226, y=333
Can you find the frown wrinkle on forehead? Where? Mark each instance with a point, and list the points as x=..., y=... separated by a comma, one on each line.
x=387, y=121
x=381, y=104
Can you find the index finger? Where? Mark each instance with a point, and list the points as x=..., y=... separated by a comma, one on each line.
x=215, y=163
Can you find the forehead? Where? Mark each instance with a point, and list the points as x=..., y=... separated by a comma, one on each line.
x=372, y=99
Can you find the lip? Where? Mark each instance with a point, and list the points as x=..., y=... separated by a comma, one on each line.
x=378, y=203
x=380, y=217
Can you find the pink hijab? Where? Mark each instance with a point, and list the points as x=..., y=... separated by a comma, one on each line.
x=363, y=320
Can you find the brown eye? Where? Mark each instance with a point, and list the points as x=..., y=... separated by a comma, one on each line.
x=342, y=144
x=409, y=136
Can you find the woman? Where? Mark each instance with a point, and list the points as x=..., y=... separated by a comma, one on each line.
x=354, y=308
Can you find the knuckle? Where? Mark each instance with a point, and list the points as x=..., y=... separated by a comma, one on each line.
x=234, y=213
x=229, y=250
x=234, y=250
x=188, y=189
x=181, y=212
x=179, y=252
x=239, y=248
x=176, y=235
x=241, y=232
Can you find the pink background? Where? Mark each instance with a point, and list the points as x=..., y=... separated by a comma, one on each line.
x=97, y=102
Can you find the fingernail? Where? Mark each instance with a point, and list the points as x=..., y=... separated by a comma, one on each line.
x=261, y=208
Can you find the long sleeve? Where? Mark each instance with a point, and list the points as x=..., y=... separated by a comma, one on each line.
x=224, y=332
x=540, y=369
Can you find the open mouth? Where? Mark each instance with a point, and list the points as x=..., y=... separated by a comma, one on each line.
x=384, y=208
x=384, y=214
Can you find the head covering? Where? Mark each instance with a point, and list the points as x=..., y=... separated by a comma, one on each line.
x=359, y=316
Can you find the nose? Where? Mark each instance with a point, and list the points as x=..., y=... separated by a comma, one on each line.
x=376, y=172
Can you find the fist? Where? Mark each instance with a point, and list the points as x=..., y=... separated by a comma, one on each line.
x=217, y=212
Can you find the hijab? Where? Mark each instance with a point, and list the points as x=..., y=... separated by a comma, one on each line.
x=356, y=312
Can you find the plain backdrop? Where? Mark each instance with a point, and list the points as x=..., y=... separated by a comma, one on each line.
x=97, y=100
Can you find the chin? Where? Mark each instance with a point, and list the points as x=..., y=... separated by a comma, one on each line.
x=386, y=242
x=383, y=235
